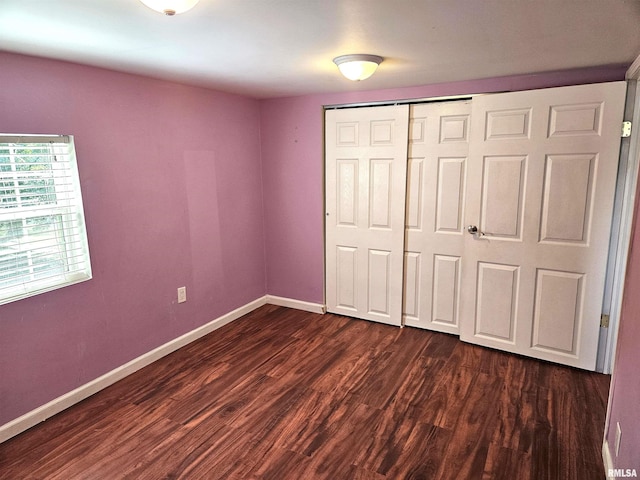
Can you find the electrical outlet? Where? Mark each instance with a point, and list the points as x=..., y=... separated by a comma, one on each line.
x=182, y=294
x=618, y=435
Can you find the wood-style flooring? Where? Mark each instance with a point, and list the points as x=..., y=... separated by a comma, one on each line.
x=283, y=394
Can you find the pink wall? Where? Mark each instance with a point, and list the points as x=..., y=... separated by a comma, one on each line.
x=625, y=384
x=292, y=159
x=173, y=196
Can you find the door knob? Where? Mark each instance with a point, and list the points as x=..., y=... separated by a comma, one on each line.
x=473, y=230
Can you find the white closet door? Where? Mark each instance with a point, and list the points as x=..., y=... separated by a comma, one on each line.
x=438, y=150
x=542, y=174
x=365, y=161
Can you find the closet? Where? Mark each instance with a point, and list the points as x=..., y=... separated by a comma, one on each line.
x=486, y=218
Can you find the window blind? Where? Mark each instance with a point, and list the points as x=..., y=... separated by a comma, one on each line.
x=43, y=240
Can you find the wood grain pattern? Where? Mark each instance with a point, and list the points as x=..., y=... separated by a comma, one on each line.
x=283, y=394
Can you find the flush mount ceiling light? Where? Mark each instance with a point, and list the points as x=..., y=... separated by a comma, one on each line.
x=357, y=67
x=170, y=7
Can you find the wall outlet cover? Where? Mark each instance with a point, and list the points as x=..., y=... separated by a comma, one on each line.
x=182, y=294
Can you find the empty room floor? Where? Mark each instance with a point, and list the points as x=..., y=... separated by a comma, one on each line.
x=286, y=394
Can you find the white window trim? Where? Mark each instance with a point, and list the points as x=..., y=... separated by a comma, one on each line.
x=70, y=209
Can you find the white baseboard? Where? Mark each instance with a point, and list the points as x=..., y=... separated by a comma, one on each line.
x=297, y=304
x=606, y=458
x=40, y=414
x=63, y=402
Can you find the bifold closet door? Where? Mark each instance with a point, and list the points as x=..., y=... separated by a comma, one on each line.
x=539, y=199
x=365, y=176
x=437, y=166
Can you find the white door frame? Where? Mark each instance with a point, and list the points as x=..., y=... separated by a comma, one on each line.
x=632, y=113
x=627, y=189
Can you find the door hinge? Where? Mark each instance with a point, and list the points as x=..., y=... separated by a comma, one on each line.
x=604, y=321
x=626, y=129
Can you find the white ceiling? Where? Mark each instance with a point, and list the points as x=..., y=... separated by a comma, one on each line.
x=273, y=48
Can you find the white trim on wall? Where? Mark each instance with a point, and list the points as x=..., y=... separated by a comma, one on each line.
x=65, y=401
x=633, y=73
x=606, y=458
x=297, y=304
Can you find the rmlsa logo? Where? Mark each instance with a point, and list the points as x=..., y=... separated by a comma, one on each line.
x=622, y=473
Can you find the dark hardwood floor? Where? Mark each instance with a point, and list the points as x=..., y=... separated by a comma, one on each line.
x=283, y=394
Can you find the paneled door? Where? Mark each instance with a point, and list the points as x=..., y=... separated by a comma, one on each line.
x=542, y=174
x=366, y=168
x=435, y=229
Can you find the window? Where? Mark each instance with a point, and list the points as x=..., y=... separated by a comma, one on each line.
x=43, y=240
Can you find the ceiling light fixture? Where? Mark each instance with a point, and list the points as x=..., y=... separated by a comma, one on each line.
x=357, y=67
x=170, y=7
